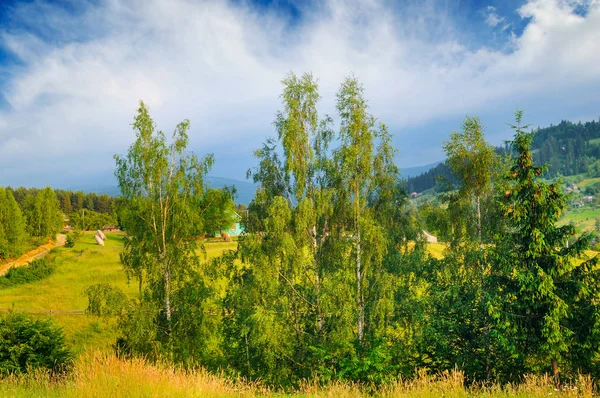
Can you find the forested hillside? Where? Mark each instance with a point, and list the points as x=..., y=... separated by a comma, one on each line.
x=568, y=148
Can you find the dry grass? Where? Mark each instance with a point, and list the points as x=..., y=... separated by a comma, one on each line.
x=99, y=374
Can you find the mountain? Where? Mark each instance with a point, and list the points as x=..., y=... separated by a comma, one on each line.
x=409, y=172
x=245, y=189
x=567, y=148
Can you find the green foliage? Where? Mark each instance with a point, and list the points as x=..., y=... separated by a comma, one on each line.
x=218, y=210
x=27, y=343
x=35, y=271
x=473, y=161
x=88, y=220
x=545, y=304
x=105, y=300
x=42, y=211
x=314, y=293
x=332, y=280
x=594, y=169
x=12, y=226
x=70, y=242
x=162, y=187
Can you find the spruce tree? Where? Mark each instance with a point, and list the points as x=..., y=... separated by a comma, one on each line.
x=546, y=299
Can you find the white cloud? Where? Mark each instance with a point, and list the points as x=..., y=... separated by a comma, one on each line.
x=220, y=65
x=492, y=18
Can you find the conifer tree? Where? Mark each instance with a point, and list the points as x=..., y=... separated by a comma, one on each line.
x=42, y=210
x=546, y=303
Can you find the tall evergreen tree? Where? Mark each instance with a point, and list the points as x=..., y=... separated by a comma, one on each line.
x=546, y=303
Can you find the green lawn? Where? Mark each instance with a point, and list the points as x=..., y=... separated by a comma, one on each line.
x=77, y=268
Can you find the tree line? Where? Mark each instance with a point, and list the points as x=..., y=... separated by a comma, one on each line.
x=72, y=201
x=332, y=279
x=30, y=216
x=35, y=219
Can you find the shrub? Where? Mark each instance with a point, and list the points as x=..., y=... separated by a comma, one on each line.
x=35, y=271
x=70, y=241
x=27, y=343
x=105, y=300
x=72, y=238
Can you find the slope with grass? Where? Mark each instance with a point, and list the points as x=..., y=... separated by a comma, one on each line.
x=62, y=296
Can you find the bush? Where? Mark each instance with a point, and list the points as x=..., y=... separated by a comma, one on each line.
x=27, y=343
x=35, y=271
x=105, y=300
x=70, y=241
x=73, y=238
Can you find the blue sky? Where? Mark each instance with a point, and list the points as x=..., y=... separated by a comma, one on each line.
x=72, y=72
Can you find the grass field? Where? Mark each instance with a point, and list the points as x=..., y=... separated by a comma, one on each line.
x=584, y=218
x=63, y=292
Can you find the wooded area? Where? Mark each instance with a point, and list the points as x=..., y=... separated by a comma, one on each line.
x=331, y=279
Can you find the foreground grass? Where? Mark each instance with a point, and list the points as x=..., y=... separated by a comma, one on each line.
x=98, y=374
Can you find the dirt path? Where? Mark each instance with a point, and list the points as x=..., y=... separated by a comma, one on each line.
x=34, y=254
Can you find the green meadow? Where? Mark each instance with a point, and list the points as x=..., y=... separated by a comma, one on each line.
x=62, y=295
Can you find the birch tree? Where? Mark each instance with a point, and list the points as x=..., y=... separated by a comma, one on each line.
x=472, y=160
x=162, y=185
x=362, y=169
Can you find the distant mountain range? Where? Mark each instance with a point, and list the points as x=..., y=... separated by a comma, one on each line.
x=245, y=189
x=417, y=170
x=566, y=148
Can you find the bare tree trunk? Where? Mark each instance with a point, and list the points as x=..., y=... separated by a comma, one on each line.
x=359, y=298
x=555, y=372
x=247, y=352
x=299, y=349
x=317, y=283
x=479, y=221
x=167, y=276
x=486, y=327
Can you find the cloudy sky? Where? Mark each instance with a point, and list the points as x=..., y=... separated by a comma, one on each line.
x=72, y=73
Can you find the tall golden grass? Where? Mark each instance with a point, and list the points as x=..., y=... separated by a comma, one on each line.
x=99, y=374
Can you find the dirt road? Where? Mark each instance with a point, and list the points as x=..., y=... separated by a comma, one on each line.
x=34, y=254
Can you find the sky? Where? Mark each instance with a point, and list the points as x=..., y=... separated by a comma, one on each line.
x=73, y=71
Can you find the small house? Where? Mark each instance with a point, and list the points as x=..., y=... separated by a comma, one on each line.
x=235, y=229
x=430, y=238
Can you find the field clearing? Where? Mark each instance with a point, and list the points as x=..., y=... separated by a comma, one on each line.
x=584, y=218
x=77, y=268
x=436, y=250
